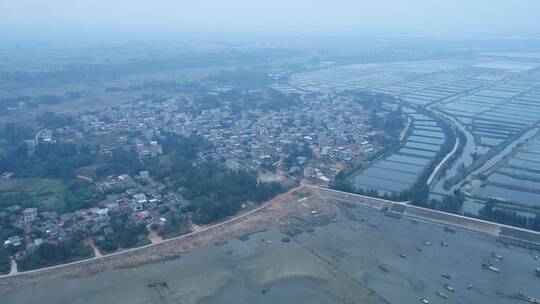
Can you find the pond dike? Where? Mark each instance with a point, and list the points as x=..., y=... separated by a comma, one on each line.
x=503, y=233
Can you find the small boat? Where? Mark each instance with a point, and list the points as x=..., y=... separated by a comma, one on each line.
x=494, y=269
x=442, y=295
x=497, y=256
x=383, y=268
x=446, y=275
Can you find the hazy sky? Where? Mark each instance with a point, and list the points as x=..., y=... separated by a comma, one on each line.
x=433, y=17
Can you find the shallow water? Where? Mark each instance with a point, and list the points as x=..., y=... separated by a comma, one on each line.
x=337, y=263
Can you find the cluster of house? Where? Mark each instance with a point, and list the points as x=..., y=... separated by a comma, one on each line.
x=141, y=198
x=36, y=227
x=335, y=127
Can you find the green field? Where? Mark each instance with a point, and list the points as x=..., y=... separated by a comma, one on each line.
x=88, y=171
x=41, y=192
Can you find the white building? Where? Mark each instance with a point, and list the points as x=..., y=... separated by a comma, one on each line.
x=29, y=215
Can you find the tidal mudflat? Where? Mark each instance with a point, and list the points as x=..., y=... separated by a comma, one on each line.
x=360, y=256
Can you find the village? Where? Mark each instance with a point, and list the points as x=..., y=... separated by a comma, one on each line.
x=313, y=137
x=328, y=130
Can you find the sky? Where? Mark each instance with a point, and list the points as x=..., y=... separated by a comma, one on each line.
x=424, y=17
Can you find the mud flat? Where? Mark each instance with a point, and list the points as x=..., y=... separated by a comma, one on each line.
x=344, y=254
x=261, y=269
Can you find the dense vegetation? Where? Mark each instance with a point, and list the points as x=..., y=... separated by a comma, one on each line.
x=124, y=235
x=294, y=151
x=5, y=261
x=53, y=160
x=176, y=225
x=52, y=121
x=491, y=212
x=185, y=147
x=449, y=203
x=7, y=229
x=392, y=123
x=120, y=161
x=215, y=191
x=79, y=195
x=13, y=134
x=48, y=254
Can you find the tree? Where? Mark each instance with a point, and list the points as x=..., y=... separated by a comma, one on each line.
x=125, y=234
x=55, y=253
x=119, y=162
x=492, y=213
x=341, y=183
x=536, y=223
x=176, y=225
x=79, y=195
x=5, y=261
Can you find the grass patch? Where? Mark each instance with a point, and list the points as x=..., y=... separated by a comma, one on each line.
x=105, y=139
x=88, y=171
x=45, y=193
x=30, y=185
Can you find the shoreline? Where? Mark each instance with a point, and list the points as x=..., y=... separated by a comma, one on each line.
x=284, y=211
x=154, y=252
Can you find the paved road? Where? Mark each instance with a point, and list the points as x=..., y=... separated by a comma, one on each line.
x=445, y=159
x=13, y=270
